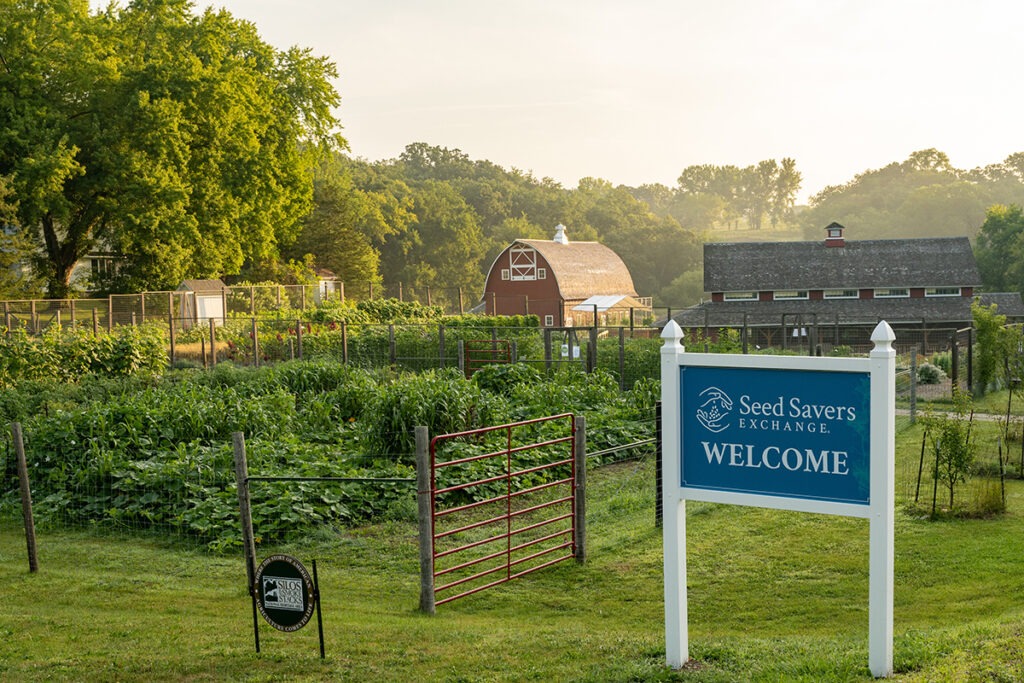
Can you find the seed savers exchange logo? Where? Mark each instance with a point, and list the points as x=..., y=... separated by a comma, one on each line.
x=714, y=412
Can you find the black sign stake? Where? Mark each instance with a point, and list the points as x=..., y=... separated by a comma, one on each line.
x=319, y=618
x=255, y=619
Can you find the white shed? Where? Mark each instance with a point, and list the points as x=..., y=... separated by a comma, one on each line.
x=203, y=299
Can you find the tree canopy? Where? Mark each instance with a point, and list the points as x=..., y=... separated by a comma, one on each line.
x=183, y=143
x=923, y=196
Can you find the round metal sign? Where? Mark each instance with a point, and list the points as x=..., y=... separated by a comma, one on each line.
x=284, y=592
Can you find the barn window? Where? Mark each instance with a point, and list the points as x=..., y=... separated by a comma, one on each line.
x=506, y=274
x=842, y=293
x=524, y=263
x=892, y=293
x=542, y=273
x=549, y=321
x=942, y=291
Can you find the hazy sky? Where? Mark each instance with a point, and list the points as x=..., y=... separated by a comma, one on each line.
x=634, y=91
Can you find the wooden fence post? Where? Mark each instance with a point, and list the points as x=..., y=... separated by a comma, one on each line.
x=580, y=490
x=298, y=329
x=26, y=497
x=245, y=513
x=425, y=508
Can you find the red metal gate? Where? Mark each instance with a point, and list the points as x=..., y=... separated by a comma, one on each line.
x=483, y=352
x=503, y=510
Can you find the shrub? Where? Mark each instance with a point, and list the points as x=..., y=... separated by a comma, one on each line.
x=929, y=374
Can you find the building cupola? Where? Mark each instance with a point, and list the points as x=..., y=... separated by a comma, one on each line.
x=560, y=236
x=834, y=235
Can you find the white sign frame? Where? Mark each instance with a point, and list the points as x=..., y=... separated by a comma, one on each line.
x=881, y=366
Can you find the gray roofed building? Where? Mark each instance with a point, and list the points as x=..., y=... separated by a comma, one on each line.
x=925, y=283
x=765, y=266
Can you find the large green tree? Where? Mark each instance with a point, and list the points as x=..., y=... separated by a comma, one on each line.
x=999, y=250
x=182, y=142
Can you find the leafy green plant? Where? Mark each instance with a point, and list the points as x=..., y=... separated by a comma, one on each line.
x=930, y=374
x=951, y=445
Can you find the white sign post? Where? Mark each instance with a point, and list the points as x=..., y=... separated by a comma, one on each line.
x=785, y=432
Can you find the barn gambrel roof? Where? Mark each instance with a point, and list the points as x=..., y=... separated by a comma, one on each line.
x=583, y=269
x=764, y=266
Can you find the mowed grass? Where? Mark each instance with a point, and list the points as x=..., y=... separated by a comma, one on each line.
x=773, y=596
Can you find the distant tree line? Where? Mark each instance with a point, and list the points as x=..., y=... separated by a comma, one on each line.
x=435, y=218
x=924, y=196
x=184, y=146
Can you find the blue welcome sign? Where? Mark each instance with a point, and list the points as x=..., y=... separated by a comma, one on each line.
x=791, y=433
x=806, y=434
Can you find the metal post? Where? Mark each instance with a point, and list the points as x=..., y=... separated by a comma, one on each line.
x=970, y=360
x=110, y=313
x=255, y=343
x=26, y=497
x=213, y=343
x=425, y=513
x=95, y=323
x=440, y=344
x=460, y=301
x=392, y=346
x=462, y=356
x=344, y=343
x=547, y=348
x=580, y=490
x=171, y=336
x=622, y=358
x=592, y=351
x=298, y=330
x=913, y=384
x=954, y=359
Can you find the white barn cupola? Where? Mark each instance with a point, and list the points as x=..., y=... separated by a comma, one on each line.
x=560, y=236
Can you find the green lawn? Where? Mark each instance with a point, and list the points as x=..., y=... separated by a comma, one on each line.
x=773, y=596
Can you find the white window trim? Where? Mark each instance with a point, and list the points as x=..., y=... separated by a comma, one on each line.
x=523, y=263
x=831, y=294
x=883, y=293
x=506, y=274
x=549, y=321
x=542, y=273
x=932, y=291
x=739, y=296
x=797, y=295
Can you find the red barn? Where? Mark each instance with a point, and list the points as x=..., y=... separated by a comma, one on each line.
x=561, y=282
